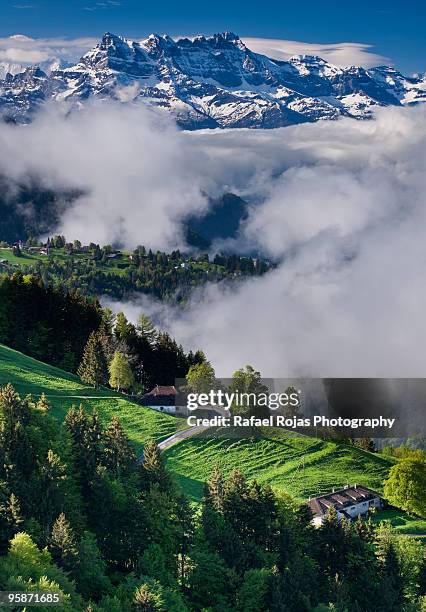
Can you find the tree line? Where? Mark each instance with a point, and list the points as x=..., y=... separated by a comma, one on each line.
x=74, y=333
x=133, y=358
x=45, y=323
x=96, y=270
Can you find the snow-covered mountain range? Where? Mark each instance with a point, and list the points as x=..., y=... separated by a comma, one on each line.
x=209, y=82
x=48, y=66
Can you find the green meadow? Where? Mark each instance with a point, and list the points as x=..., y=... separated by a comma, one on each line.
x=64, y=390
x=300, y=465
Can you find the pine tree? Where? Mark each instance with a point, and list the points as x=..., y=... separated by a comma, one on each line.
x=146, y=329
x=94, y=440
x=153, y=470
x=393, y=582
x=123, y=330
x=14, y=510
x=87, y=442
x=10, y=521
x=76, y=422
x=90, y=573
x=214, y=490
x=332, y=545
x=209, y=580
x=12, y=407
x=42, y=403
x=93, y=369
x=365, y=529
x=147, y=600
x=17, y=452
x=107, y=320
x=121, y=375
x=63, y=544
x=53, y=477
x=119, y=455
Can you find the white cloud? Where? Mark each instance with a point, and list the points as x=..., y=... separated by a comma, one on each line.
x=136, y=170
x=23, y=56
x=24, y=50
x=346, y=215
x=341, y=54
x=103, y=5
x=339, y=204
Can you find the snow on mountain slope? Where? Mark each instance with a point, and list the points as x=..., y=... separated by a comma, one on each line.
x=211, y=82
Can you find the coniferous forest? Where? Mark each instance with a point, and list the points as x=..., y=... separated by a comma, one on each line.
x=82, y=515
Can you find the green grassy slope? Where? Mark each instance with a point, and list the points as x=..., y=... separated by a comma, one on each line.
x=403, y=523
x=300, y=465
x=64, y=390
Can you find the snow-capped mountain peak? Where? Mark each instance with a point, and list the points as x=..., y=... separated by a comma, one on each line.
x=211, y=81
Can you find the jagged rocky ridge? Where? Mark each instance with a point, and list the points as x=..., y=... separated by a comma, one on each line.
x=211, y=82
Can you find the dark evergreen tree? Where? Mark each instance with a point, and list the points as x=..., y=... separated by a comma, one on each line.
x=123, y=330
x=10, y=520
x=91, y=570
x=93, y=369
x=153, y=470
x=52, y=490
x=63, y=544
x=392, y=585
x=214, y=490
x=118, y=454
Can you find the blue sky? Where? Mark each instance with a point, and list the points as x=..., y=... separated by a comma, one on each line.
x=395, y=29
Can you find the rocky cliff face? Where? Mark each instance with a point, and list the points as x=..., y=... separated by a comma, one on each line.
x=211, y=82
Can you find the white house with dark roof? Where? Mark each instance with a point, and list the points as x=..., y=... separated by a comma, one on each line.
x=161, y=398
x=349, y=503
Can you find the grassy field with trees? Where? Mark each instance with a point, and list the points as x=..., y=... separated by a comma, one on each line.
x=79, y=515
x=81, y=518
x=96, y=270
x=64, y=390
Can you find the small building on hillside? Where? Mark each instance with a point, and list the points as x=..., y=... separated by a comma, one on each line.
x=349, y=503
x=161, y=398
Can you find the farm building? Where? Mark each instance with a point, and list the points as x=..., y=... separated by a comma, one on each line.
x=349, y=502
x=163, y=399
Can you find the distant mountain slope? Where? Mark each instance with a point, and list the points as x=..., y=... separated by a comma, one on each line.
x=221, y=221
x=63, y=390
x=209, y=82
x=28, y=209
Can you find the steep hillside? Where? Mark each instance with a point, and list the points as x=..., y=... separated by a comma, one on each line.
x=300, y=465
x=64, y=390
